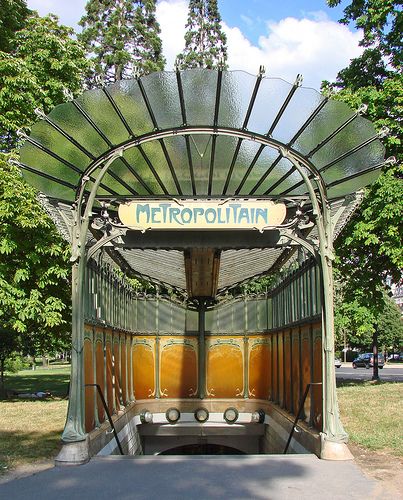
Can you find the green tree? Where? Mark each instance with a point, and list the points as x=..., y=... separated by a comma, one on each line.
x=34, y=270
x=45, y=63
x=381, y=22
x=122, y=38
x=205, y=42
x=13, y=15
x=370, y=249
x=390, y=327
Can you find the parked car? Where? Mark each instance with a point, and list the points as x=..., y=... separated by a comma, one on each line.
x=367, y=360
x=337, y=363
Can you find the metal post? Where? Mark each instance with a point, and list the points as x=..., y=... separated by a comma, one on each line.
x=202, y=349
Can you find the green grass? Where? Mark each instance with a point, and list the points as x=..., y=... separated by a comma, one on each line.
x=54, y=380
x=372, y=414
x=30, y=430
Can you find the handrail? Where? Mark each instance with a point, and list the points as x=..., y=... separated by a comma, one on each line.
x=301, y=405
x=100, y=393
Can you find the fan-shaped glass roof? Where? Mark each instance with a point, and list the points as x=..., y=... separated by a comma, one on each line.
x=202, y=133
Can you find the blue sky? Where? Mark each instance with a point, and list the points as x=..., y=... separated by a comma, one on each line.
x=286, y=36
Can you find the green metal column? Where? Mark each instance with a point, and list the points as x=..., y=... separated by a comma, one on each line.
x=202, y=349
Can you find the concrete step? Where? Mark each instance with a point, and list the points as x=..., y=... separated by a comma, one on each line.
x=274, y=477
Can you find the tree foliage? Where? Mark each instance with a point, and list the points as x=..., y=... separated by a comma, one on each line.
x=205, y=42
x=45, y=64
x=122, y=38
x=370, y=249
x=34, y=270
x=13, y=15
x=381, y=22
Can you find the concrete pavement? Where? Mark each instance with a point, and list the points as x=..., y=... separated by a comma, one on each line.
x=274, y=477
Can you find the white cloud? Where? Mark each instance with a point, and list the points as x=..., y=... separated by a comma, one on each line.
x=314, y=45
x=317, y=48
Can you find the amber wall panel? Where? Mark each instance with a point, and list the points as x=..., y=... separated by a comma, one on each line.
x=306, y=350
x=274, y=358
x=143, y=367
x=123, y=368
x=116, y=370
x=270, y=372
x=109, y=372
x=259, y=368
x=100, y=373
x=178, y=367
x=89, y=391
x=280, y=350
x=317, y=376
x=295, y=370
x=224, y=367
x=287, y=371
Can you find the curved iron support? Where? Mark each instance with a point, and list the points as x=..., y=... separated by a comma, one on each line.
x=333, y=430
x=74, y=430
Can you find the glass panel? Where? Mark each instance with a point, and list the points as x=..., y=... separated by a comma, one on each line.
x=299, y=109
x=289, y=181
x=73, y=122
x=156, y=156
x=129, y=100
x=352, y=185
x=200, y=147
x=163, y=95
x=224, y=152
x=236, y=92
x=364, y=159
x=53, y=140
x=353, y=135
x=176, y=147
x=199, y=90
x=270, y=98
x=266, y=158
x=48, y=187
x=282, y=167
x=115, y=185
x=33, y=157
x=121, y=170
x=325, y=123
x=247, y=152
x=137, y=162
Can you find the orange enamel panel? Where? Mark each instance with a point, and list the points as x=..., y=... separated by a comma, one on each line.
x=275, y=367
x=89, y=391
x=306, y=349
x=123, y=368
x=287, y=372
x=270, y=371
x=143, y=369
x=100, y=367
x=178, y=370
x=259, y=369
x=296, y=378
x=116, y=371
x=280, y=369
x=109, y=376
x=224, y=369
x=317, y=377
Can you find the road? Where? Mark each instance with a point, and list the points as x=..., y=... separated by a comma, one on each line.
x=388, y=373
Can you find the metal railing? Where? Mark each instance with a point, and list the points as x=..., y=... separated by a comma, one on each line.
x=301, y=406
x=100, y=393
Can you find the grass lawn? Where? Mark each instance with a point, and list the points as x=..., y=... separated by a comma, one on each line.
x=372, y=414
x=30, y=430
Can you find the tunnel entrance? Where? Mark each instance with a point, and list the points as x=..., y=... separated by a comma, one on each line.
x=202, y=449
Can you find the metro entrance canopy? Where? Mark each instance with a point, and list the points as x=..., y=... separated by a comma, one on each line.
x=179, y=150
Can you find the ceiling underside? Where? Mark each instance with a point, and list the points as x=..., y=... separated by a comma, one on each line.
x=201, y=134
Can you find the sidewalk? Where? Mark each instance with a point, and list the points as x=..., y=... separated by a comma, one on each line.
x=274, y=477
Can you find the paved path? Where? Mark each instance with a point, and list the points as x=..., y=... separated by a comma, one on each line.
x=274, y=477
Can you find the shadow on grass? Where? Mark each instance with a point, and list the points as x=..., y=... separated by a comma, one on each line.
x=26, y=447
x=345, y=382
x=30, y=382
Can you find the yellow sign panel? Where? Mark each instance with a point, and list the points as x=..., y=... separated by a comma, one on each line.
x=202, y=214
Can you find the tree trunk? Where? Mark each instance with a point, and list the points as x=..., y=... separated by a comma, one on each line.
x=375, y=373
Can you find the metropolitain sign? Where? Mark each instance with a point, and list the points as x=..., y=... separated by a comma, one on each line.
x=201, y=214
